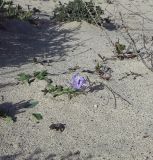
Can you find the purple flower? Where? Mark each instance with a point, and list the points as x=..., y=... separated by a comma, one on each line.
x=78, y=82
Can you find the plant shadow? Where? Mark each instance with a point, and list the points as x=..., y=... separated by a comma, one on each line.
x=21, y=41
x=37, y=154
x=10, y=157
x=11, y=110
x=96, y=88
x=111, y=26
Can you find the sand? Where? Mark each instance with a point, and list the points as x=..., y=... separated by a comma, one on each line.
x=95, y=128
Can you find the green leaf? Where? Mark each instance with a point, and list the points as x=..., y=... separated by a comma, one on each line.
x=31, y=104
x=97, y=67
x=119, y=47
x=38, y=116
x=41, y=75
x=24, y=77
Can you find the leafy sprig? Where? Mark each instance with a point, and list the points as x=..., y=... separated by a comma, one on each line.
x=23, y=77
x=58, y=90
x=40, y=75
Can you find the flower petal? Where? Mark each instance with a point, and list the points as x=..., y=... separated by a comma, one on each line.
x=78, y=81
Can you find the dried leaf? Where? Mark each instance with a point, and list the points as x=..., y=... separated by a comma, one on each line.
x=58, y=126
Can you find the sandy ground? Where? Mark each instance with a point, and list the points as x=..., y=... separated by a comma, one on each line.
x=95, y=129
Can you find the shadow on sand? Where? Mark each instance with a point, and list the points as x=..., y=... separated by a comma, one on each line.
x=37, y=154
x=20, y=41
x=11, y=110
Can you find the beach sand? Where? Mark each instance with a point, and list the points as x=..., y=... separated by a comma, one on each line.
x=95, y=128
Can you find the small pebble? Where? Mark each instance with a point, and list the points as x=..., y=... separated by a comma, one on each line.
x=95, y=106
x=2, y=98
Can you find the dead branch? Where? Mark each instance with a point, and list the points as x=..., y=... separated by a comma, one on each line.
x=114, y=93
x=134, y=45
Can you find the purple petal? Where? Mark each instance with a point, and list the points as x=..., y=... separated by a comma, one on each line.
x=78, y=82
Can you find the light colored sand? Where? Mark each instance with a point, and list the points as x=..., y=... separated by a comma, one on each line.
x=98, y=133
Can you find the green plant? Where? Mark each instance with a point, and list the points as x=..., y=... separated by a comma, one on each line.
x=122, y=52
x=31, y=104
x=38, y=116
x=119, y=48
x=41, y=75
x=23, y=77
x=98, y=67
x=78, y=10
x=103, y=71
x=9, y=10
x=57, y=90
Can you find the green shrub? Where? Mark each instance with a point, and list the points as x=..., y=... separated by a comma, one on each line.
x=9, y=10
x=78, y=10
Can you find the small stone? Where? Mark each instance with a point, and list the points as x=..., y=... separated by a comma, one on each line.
x=95, y=106
x=2, y=98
